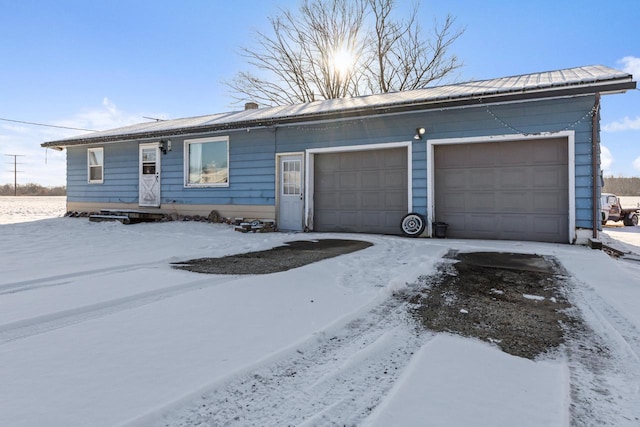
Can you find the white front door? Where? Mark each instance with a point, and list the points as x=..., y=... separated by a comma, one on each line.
x=291, y=193
x=149, y=187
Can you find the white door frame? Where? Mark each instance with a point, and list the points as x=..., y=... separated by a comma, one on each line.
x=571, y=165
x=156, y=202
x=303, y=188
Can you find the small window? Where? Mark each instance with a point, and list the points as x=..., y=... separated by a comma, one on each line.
x=95, y=161
x=207, y=162
x=149, y=161
x=291, y=177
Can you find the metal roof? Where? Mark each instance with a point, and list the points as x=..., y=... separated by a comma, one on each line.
x=567, y=82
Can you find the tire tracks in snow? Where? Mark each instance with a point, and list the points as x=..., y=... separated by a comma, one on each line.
x=335, y=378
x=41, y=324
x=63, y=279
x=604, y=363
x=45, y=323
x=375, y=267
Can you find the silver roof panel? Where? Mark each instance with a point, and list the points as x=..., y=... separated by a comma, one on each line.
x=594, y=78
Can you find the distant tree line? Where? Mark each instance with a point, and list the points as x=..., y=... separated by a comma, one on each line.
x=32, y=190
x=622, y=186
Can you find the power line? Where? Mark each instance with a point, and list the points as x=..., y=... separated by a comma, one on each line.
x=45, y=125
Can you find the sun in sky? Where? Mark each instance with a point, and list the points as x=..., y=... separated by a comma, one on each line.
x=343, y=61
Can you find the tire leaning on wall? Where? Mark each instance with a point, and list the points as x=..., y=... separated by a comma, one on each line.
x=413, y=224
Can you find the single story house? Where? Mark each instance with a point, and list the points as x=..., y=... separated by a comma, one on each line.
x=508, y=158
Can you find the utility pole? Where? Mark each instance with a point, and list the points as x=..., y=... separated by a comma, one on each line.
x=15, y=171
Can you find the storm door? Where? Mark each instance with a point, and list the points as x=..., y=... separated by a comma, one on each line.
x=291, y=195
x=149, y=187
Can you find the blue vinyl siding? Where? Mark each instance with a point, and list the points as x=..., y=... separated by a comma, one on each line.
x=120, y=175
x=529, y=118
x=251, y=174
x=525, y=117
x=252, y=154
x=419, y=176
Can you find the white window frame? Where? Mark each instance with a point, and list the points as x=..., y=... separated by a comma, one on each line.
x=187, y=143
x=89, y=166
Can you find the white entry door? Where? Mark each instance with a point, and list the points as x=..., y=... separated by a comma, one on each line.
x=149, y=194
x=291, y=193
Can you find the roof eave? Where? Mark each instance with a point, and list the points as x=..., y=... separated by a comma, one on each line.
x=603, y=87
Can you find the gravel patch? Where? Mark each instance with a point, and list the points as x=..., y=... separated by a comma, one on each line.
x=515, y=301
x=282, y=258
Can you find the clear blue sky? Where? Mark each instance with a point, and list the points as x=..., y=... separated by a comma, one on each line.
x=105, y=64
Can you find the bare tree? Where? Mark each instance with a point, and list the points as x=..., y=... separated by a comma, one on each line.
x=297, y=63
x=402, y=59
x=339, y=48
x=622, y=186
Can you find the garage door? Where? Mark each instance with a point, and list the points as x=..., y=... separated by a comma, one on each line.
x=360, y=191
x=514, y=190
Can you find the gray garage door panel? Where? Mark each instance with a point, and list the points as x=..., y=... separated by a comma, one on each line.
x=514, y=190
x=360, y=191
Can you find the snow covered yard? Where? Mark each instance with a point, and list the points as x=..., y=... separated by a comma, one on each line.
x=30, y=208
x=97, y=329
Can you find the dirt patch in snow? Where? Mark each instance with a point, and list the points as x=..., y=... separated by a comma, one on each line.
x=282, y=258
x=515, y=301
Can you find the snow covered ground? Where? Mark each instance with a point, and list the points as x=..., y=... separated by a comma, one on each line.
x=30, y=208
x=97, y=329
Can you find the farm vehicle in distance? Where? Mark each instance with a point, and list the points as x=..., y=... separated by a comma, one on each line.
x=612, y=210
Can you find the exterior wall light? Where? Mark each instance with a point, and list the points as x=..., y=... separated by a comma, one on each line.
x=165, y=145
x=419, y=133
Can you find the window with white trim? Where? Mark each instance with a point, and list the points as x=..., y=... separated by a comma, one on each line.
x=95, y=165
x=206, y=162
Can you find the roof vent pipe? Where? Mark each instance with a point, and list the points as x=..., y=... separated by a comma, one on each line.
x=250, y=106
